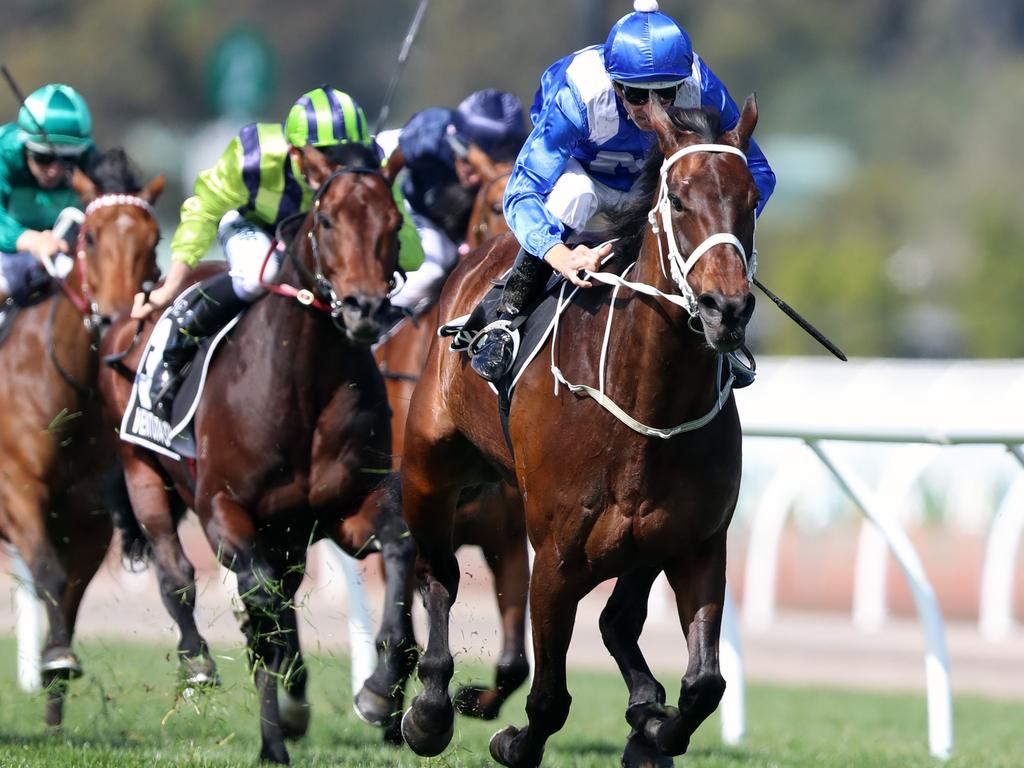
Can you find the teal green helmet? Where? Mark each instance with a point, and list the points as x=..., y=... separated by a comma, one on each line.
x=324, y=117
x=56, y=119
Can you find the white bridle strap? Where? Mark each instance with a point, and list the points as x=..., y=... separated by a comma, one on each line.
x=680, y=266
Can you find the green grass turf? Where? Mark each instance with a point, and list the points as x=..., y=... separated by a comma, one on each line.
x=124, y=713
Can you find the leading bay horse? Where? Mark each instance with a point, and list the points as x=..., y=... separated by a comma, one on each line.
x=58, y=461
x=293, y=440
x=490, y=517
x=605, y=497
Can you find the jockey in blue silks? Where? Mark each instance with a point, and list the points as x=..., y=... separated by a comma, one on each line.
x=590, y=140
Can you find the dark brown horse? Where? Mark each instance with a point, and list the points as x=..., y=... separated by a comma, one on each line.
x=294, y=438
x=57, y=456
x=604, y=500
x=492, y=516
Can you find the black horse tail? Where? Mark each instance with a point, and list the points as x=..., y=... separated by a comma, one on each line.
x=135, y=547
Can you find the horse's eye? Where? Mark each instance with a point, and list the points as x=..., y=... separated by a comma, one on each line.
x=324, y=222
x=89, y=241
x=676, y=202
x=498, y=209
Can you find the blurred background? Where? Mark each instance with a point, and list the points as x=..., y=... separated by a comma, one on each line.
x=893, y=127
x=892, y=124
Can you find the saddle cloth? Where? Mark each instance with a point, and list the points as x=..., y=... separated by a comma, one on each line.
x=140, y=425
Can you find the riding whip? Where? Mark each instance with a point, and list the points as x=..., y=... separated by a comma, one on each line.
x=414, y=27
x=817, y=335
x=21, y=100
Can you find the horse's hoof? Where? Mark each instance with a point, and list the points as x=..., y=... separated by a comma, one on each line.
x=372, y=708
x=640, y=753
x=507, y=748
x=198, y=672
x=294, y=714
x=668, y=737
x=275, y=756
x=421, y=741
x=61, y=660
x=468, y=701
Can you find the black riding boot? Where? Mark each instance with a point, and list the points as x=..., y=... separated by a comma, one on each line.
x=202, y=314
x=529, y=275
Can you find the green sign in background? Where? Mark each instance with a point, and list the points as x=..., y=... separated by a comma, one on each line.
x=240, y=74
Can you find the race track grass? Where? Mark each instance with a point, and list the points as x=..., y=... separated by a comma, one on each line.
x=124, y=713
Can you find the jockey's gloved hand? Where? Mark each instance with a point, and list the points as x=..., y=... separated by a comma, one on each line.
x=570, y=261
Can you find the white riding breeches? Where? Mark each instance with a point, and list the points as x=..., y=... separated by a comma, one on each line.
x=576, y=197
x=245, y=246
x=16, y=270
x=440, y=255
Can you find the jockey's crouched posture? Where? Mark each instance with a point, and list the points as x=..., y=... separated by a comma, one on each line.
x=589, y=142
x=51, y=136
x=440, y=185
x=257, y=183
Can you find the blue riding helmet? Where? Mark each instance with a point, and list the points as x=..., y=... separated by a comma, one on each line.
x=494, y=121
x=647, y=49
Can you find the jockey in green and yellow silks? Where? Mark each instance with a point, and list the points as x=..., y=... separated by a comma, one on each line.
x=256, y=184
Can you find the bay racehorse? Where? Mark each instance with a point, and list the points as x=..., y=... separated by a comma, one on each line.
x=293, y=439
x=58, y=462
x=490, y=517
x=605, y=496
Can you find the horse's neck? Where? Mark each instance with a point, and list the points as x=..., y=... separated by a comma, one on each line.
x=72, y=342
x=673, y=367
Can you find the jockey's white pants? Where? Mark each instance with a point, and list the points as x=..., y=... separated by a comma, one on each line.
x=245, y=246
x=440, y=255
x=16, y=269
x=576, y=198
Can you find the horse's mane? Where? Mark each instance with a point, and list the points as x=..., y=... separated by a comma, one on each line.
x=352, y=154
x=115, y=173
x=629, y=223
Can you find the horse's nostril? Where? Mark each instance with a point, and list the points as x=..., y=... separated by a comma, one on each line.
x=710, y=306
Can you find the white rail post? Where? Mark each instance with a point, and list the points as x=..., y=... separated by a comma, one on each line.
x=872, y=564
x=767, y=523
x=360, y=629
x=995, y=610
x=730, y=659
x=939, y=695
x=30, y=620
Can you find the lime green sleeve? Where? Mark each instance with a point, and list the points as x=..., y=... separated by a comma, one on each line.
x=410, y=250
x=218, y=190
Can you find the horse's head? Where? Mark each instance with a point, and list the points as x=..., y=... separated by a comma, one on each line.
x=352, y=235
x=117, y=240
x=706, y=209
x=488, y=216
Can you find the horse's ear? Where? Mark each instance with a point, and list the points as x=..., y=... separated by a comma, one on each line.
x=740, y=135
x=661, y=123
x=394, y=164
x=152, y=191
x=84, y=186
x=481, y=163
x=315, y=165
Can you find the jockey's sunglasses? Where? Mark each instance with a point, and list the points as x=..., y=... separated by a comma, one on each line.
x=46, y=159
x=642, y=95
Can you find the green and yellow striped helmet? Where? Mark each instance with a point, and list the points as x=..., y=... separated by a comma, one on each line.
x=324, y=117
x=55, y=118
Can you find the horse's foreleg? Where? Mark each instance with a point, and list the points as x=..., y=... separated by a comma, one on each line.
x=262, y=589
x=428, y=725
x=554, y=595
x=699, y=585
x=152, y=508
x=380, y=700
x=622, y=621
x=292, y=703
x=506, y=555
